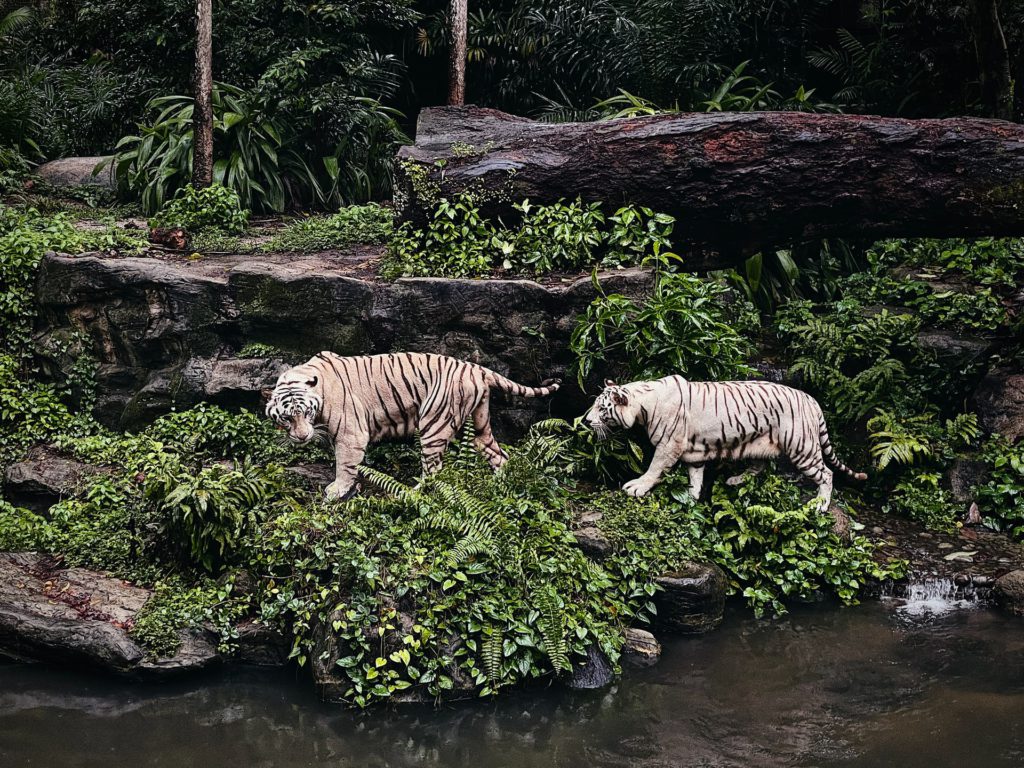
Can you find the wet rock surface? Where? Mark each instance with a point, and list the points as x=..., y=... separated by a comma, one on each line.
x=78, y=616
x=167, y=331
x=591, y=673
x=1008, y=592
x=641, y=648
x=972, y=558
x=691, y=600
x=43, y=478
x=999, y=401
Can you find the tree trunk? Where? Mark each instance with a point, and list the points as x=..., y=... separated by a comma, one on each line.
x=993, y=59
x=457, y=20
x=202, y=114
x=737, y=182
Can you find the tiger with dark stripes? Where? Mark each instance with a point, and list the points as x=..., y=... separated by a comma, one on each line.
x=355, y=401
x=700, y=421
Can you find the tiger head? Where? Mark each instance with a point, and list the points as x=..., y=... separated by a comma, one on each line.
x=611, y=411
x=294, y=404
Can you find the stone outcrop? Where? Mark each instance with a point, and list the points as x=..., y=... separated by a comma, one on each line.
x=43, y=478
x=167, y=332
x=79, y=616
x=77, y=172
x=691, y=599
x=999, y=401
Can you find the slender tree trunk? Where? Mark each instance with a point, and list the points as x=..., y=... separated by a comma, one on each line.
x=993, y=59
x=202, y=114
x=457, y=13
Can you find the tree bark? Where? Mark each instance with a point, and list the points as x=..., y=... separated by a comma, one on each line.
x=736, y=182
x=202, y=113
x=457, y=20
x=993, y=59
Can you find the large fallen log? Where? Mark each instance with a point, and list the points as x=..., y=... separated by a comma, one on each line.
x=737, y=182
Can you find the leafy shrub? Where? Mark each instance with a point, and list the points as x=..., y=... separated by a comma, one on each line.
x=855, y=363
x=20, y=529
x=255, y=157
x=207, y=432
x=211, y=510
x=174, y=607
x=774, y=546
x=24, y=237
x=687, y=326
x=371, y=224
x=459, y=242
x=482, y=567
x=1001, y=495
x=213, y=207
x=564, y=235
x=989, y=261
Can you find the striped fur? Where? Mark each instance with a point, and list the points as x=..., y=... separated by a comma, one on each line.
x=355, y=401
x=695, y=422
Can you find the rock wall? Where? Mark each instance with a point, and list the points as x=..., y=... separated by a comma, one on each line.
x=168, y=332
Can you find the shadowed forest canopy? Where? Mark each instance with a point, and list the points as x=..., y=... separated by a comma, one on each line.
x=330, y=88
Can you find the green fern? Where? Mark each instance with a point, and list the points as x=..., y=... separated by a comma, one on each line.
x=551, y=623
x=893, y=441
x=492, y=653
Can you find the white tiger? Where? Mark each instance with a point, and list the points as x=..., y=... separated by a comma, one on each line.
x=699, y=421
x=355, y=401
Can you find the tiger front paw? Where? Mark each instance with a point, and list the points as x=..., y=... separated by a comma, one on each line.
x=337, y=492
x=637, y=488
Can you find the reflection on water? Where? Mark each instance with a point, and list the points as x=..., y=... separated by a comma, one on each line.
x=867, y=686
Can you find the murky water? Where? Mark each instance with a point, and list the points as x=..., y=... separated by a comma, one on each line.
x=879, y=685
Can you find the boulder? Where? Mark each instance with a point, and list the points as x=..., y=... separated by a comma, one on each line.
x=641, y=648
x=955, y=349
x=691, y=599
x=999, y=401
x=43, y=478
x=1008, y=592
x=78, y=616
x=261, y=645
x=963, y=476
x=77, y=172
x=591, y=673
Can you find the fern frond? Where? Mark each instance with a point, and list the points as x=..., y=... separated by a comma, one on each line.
x=390, y=485
x=492, y=653
x=551, y=623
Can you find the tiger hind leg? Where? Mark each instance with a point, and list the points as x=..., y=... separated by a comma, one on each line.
x=814, y=469
x=484, y=441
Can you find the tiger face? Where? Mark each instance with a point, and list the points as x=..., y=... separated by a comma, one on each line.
x=611, y=411
x=294, y=404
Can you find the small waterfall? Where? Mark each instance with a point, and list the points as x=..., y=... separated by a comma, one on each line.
x=928, y=597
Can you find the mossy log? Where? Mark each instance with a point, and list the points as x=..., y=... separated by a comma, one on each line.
x=737, y=182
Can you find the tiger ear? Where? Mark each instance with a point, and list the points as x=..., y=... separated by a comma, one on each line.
x=265, y=395
x=313, y=382
x=620, y=398
x=609, y=383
